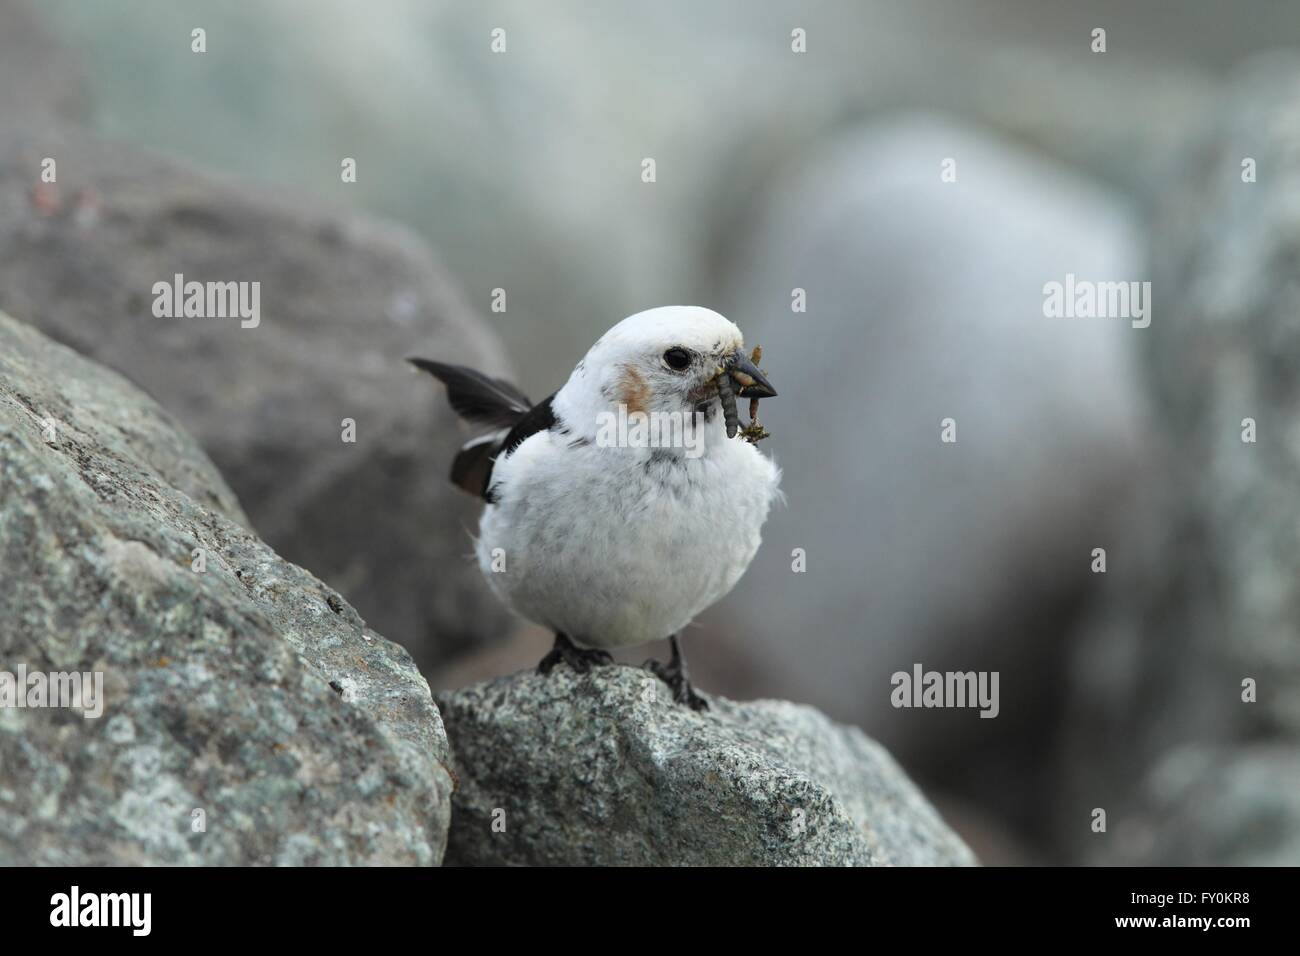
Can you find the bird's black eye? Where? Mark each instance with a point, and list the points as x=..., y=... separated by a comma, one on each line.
x=677, y=359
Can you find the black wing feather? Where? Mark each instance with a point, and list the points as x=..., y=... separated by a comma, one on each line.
x=471, y=469
x=483, y=400
x=476, y=397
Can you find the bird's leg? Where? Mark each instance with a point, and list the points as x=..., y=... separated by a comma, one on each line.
x=579, y=658
x=674, y=675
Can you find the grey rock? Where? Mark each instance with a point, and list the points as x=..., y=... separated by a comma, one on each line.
x=343, y=301
x=925, y=302
x=1209, y=596
x=1212, y=806
x=1225, y=252
x=248, y=690
x=605, y=769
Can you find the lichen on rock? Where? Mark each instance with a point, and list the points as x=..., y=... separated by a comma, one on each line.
x=606, y=769
x=250, y=716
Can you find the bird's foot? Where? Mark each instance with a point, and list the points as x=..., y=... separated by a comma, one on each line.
x=674, y=675
x=581, y=659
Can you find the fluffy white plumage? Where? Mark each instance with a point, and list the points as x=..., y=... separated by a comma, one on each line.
x=616, y=546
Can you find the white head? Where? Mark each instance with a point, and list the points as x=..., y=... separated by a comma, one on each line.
x=670, y=359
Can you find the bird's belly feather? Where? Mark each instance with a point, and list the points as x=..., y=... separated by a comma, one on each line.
x=615, y=550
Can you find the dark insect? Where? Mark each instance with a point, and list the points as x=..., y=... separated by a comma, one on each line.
x=753, y=432
x=728, y=397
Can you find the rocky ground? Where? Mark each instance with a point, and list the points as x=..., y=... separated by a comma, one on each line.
x=605, y=769
x=249, y=715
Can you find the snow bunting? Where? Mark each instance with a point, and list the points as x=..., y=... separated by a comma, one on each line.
x=625, y=504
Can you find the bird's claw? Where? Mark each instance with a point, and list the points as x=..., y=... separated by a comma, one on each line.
x=581, y=659
x=673, y=675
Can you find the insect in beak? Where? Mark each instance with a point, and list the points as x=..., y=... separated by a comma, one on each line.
x=739, y=376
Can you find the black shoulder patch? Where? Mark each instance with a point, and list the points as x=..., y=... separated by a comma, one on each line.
x=540, y=418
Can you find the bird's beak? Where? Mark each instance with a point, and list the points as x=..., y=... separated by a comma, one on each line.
x=751, y=383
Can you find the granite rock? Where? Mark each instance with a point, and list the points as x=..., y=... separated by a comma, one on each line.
x=249, y=716
x=606, y=769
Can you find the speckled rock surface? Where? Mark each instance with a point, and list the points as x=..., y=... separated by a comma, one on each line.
x=343, y=300
x=249, y=690
x=605, y=769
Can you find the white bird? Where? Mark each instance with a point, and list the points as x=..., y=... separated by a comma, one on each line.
x=608, y=536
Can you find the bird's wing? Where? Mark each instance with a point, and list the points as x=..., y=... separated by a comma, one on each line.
x=476, y=397
x=471, y=469
x=483, y=400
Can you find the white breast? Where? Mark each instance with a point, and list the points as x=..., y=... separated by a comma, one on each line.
x=617, y=546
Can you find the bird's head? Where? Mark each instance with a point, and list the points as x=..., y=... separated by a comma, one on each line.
x=675, y=359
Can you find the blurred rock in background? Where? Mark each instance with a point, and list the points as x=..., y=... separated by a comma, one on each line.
x=524, y=167
x=343, y=300
x=1204, y=592
x=925, y=302
x=40, y=77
